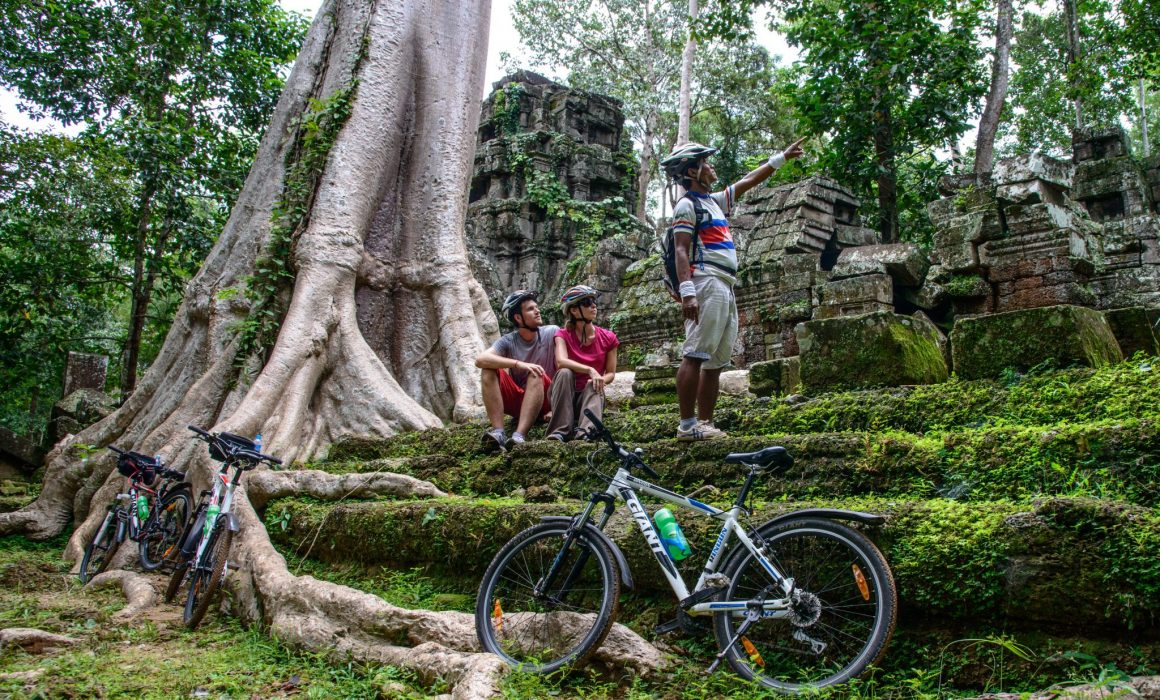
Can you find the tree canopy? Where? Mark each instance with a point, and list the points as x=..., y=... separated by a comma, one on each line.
x=171, y=99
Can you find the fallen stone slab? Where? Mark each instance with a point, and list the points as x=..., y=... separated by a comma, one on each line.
x=1064, y=336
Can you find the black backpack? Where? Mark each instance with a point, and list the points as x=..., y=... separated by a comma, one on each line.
x=669, y=249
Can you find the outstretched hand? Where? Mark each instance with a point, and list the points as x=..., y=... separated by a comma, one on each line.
x=795, y=149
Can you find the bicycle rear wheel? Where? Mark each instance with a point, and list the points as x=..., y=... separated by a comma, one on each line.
x=207, y=577
x=99, y=550
x=838, y=625
x=564, y=624
x=162, y=531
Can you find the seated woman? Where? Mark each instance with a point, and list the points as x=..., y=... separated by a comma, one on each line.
x=585, y=362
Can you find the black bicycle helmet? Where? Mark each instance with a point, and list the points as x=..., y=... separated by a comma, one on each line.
x=684, y=157
x=514, y=302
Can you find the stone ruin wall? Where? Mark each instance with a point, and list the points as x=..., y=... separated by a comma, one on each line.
x=1038, y=232
x=531, y=127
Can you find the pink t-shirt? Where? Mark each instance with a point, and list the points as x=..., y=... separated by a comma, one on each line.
x=594, y=355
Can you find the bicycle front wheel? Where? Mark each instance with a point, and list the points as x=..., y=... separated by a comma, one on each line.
x=840, y=618
x=99, y=551
x=539, y=625
x=208, y=576
x=162, y=531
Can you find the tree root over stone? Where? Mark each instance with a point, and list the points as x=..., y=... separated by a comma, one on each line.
x=138, y=590
x=266, y=486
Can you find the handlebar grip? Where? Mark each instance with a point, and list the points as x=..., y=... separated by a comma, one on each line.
x=116, y=449
x=198, y=430
x=272, y=460
x=596, y=421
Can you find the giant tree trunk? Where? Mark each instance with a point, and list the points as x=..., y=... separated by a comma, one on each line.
x=989, y=122
x=381, y=319
x=687, y=58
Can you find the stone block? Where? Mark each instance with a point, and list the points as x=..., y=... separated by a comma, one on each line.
x=77, y=411
x=1030, y=192
x=1133, y=329
x=1093, y=143
x=853, y=295
x=775, y=377
x=854, y=235
x=1038, y=292
x=21, y=448
x=984, y=346
x=1032, y=218
x=904, y=262
x=1034, y=167
x=85, y=371
x=877, y=349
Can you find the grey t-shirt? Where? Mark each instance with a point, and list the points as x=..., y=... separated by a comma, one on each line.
x=539, y=351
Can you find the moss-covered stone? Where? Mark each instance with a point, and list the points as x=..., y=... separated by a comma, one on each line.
x=877, y=349
x=1065, y=336
x=1070, y=562
x=775, y=377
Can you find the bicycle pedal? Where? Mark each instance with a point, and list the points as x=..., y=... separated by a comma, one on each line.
x=683, y=623
x=700, y=596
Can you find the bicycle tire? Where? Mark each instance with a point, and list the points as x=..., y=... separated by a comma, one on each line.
x=853, y=611
x=204, y=582
x=175, y=580
x=162, y=531
x=99, y=550
x=510, y=621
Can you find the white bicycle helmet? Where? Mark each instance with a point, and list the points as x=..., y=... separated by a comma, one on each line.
x=684, y=157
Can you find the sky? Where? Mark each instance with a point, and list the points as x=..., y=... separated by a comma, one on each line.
x=502, y=37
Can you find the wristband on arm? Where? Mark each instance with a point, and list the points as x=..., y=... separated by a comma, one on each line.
x=688, y=289
x=776, y=160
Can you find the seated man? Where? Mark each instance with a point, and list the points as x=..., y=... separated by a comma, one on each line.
x=516, y=371
x=586, y=357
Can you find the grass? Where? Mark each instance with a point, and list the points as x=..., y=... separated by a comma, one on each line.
x=155, y=656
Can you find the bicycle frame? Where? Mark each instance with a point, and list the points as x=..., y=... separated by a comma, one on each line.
x=221, y=482
x=623, y=486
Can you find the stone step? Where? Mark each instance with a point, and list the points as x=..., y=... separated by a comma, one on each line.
x=1070, y=563
x=1118, y=460
x=1125, y=391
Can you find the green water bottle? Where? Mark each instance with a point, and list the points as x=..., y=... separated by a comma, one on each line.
x=142, y=508
x=211, y=514
x=671, y=535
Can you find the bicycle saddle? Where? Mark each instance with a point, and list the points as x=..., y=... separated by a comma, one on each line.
x=769, y=457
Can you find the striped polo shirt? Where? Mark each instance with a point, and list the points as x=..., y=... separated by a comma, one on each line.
x=715, y=243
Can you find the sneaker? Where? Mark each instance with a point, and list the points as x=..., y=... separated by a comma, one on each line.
x=493, y=440
x=700, y=431
x=515, y=439
x=557, y=437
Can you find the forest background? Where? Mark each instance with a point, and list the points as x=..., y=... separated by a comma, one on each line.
x=157, y=108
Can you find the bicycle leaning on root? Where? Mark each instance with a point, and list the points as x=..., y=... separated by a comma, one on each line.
x=205, y=546
x=802, y=601
x=153, y=518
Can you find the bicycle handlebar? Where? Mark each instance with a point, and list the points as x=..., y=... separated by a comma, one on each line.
x=118, y=450
x=233, y=451
x=629, y=458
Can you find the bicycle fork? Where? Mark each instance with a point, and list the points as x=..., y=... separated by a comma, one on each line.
x=545, y=584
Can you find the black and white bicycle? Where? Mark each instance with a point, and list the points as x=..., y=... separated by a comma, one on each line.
x=802, y=601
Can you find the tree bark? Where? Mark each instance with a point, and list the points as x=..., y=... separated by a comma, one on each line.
x=687, y=78
x=989, y=121
x=887, y=178
x=1071, y=16
x=139, y=292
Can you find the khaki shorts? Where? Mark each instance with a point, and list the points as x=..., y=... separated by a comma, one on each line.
x=711, y=338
